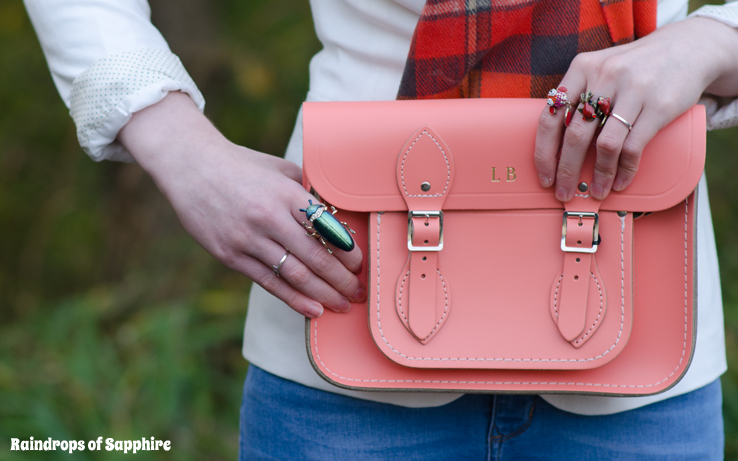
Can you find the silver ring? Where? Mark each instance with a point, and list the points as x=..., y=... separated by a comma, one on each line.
x=276, y=268
x=630, y=127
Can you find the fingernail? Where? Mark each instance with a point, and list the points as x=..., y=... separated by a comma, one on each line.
x=545, y=180
x=360, y=295
x=344, y=305
x=561, y=194
x=617, y=185
x=314, y=310
x=598, y=191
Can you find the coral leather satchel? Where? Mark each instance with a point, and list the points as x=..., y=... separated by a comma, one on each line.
x=479, y=280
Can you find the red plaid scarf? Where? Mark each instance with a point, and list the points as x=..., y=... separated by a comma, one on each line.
x=512, y=48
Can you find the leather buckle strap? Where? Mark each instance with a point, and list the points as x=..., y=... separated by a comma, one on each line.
x=425, y=172
x=595, y=231
x=579, y=244
x=425, y=241
x=411, y=230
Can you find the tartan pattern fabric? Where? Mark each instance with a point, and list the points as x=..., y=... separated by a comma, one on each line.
x=512, y=48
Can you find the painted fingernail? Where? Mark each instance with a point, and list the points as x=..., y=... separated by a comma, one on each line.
x=544, y=180
x=598, y=191
x=360, y=295
x=314, y=310
x=561, y=194
x=563, y=89
x=617, y=185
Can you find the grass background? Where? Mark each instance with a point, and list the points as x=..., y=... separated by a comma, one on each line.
x=113, y=321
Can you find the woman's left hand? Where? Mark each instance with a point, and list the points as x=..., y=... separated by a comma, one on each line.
x=650, y=82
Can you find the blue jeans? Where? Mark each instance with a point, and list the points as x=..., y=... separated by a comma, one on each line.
x=283, y=420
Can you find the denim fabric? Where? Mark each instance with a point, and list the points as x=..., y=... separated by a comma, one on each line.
x=283, y=420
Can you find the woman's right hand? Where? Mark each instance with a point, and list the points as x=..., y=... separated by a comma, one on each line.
x=241, y=206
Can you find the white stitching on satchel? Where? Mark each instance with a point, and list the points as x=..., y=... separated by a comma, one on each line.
x=532, y=383
x=445, y=309
x=498, y=359
x=599, y=314
x=402, y=167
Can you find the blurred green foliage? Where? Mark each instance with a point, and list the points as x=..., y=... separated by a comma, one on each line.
x=114, y=322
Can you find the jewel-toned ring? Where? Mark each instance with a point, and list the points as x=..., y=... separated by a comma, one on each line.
x=557, y=99
x=602, y=109
x=325, y=228
x=588, y=107
x=568, y=114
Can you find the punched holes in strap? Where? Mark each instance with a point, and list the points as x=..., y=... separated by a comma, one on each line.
x=425, y=241
x=425, y=174
x=579, y=241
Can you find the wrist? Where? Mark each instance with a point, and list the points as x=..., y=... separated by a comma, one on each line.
x=166, y=135
x=720, y=42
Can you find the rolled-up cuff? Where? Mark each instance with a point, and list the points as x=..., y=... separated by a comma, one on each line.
x=104, y=96
x=727, y=14
x=721, y=112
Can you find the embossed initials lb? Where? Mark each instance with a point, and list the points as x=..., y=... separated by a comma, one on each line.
x=511, y=175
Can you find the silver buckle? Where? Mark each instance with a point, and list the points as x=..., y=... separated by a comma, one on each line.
x=595, y=232
x=428, y=215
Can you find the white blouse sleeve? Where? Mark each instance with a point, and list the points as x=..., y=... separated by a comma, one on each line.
x=721, y=112
x=107, y=61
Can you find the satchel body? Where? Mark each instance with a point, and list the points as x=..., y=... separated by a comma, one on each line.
x=479, y=280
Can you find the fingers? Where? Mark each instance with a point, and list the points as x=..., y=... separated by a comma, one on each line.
x=338, y=268
x=350, y=260
x=577, y=139
x=635, y=142
x=303, y=279
x=618, y=150
x=277, y=286
x=309, y=268
x=548, y=138
x=610, y=153
x=551, y=130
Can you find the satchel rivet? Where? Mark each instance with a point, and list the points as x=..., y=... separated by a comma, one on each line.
x=583, y=187
x=576, y=277
x=578, y=259
x=622, y=214
x=422, y=276
x=425, y=186
x=425, y=241
x=424, y=258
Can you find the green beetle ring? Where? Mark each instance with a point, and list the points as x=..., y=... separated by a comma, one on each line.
x=325, y=228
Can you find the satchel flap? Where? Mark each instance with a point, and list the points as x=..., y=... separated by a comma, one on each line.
x=351, y=151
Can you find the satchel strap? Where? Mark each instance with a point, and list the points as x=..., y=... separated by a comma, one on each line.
x=579, y=242
x=425, y=172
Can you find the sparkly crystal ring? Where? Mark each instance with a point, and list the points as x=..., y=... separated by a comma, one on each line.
x=557, y=99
